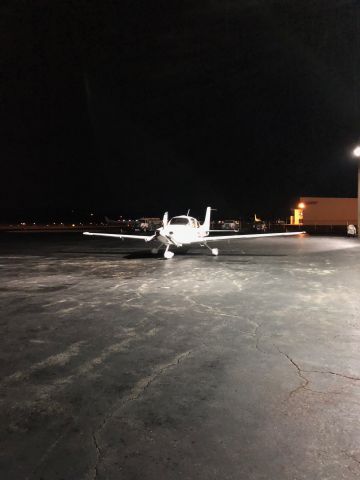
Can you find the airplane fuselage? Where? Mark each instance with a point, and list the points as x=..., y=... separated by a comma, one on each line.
x=181, y=231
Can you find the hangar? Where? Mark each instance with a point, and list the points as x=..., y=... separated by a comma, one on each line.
x=325, y=211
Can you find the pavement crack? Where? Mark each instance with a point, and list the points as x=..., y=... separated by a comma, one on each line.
x=145, y=383
x=135, y=393
x=98, y=457
x=349, y=377
x=305, y=381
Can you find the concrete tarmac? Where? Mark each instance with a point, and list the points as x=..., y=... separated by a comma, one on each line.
x=119, y=365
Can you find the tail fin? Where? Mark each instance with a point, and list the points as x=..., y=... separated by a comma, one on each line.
x=165, y=219
x=206, y=224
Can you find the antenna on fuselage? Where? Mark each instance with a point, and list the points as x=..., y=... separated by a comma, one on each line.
x=188, y=212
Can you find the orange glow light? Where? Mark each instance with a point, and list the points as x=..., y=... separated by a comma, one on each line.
x=301, y=205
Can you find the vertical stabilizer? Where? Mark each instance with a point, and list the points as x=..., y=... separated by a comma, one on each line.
x=165, y=219
x=206, y=225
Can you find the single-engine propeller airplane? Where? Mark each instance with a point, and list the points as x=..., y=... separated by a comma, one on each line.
x=183, y=231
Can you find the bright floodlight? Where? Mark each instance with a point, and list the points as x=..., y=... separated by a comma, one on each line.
x=356, y=151
x=301, y=205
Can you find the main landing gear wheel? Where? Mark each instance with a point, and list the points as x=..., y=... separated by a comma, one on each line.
x=214, y=251
x=167, y=253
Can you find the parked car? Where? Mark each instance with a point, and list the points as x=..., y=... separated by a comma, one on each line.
x=230, y=225
x=260, y=226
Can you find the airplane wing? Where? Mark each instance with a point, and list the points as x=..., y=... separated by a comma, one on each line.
x=237, y=237
x=144, y=238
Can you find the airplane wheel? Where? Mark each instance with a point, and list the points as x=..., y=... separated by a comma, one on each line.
x=215, y=251
x=168, y=254
x=154, y=251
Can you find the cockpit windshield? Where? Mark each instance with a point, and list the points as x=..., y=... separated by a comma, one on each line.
x=179, y=221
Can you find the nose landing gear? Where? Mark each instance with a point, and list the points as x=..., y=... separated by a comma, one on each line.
x=214, y=251
x=167, y=253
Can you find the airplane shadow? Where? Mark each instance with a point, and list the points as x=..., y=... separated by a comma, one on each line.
x=141, y=254
x=252, y=255
x=147, y=254
x=89, y=252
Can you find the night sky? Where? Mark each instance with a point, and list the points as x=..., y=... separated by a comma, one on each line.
x=137, y=107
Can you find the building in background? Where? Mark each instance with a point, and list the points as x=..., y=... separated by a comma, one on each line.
x=298, y=215
x=325, y=211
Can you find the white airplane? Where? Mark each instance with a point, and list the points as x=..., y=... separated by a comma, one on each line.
x=183, y=231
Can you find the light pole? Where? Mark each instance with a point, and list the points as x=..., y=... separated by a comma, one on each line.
x=356, y=153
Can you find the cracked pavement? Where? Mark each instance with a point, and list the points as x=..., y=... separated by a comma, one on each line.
x=118, y=364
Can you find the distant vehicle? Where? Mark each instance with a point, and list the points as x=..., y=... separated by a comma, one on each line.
x=231, y=225
x=148, y=224
x=351, y=230
x=259, y=225
x=184, y=231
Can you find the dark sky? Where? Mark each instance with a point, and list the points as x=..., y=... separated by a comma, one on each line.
x=134, y=107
